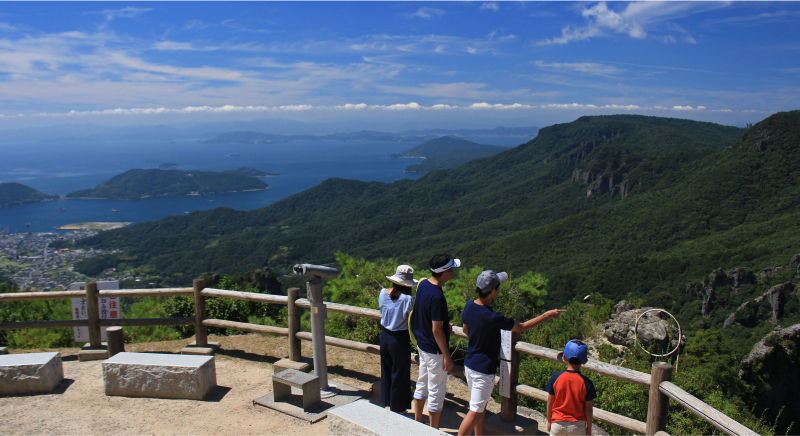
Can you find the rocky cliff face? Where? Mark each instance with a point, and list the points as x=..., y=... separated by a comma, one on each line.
x=655, y=330
x=772, y=369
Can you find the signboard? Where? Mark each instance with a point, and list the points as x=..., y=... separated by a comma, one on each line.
x=109, y=308
x=505, y=344
x=505, y=379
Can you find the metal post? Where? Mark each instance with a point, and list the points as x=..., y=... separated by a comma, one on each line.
x=657, y=408
x=318, y=316
x=200, y=331
x=294, y=325
x=508, y=406
x=93, y=314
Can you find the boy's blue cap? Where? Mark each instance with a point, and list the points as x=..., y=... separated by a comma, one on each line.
x=576, y=348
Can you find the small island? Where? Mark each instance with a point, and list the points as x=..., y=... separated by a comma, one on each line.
x=15, y=194
x=137, y=184
x=168, y=165
x=446, y=152
x=244, y=171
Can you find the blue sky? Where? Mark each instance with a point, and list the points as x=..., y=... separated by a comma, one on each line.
x=444, y=64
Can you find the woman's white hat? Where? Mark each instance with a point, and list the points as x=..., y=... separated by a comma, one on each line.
x=404, y=276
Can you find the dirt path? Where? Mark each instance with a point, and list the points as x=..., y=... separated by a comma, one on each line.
x=79, y=405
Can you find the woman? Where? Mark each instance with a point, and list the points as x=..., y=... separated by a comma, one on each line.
x=395, y=304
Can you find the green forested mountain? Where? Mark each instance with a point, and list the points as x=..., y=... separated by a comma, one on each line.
x=13, y=194
x=520, y=194
x=446, y=152
x=136, y=184
x=244, y=171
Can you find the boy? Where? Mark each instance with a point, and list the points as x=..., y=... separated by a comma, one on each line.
x=432, y=329
x=569, y=405
x=482, y=325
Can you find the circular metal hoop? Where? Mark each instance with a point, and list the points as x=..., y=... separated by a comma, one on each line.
x=636, y=333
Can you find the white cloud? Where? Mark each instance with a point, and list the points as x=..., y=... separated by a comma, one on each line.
x=491, y=6
x=683, y=108
x=580, y=67
x=7, y=27
x=178, y=46
x=428, y=13
x=128, y=12
x=401, y=106
x=349, y=106
x=631, y=21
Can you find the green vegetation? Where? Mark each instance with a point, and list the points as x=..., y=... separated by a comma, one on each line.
x=446, y=152
x=136, y=184
x=244, y=171
x=14, y=194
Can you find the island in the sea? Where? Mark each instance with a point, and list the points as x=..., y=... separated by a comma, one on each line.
x=168, y=165
x=137, y=184
x=446, y=152
x=244, y=171
x=14, y=194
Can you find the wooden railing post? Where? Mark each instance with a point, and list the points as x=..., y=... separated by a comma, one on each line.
x=508, y=406
x=293, y=324
x=200, y=331
x=93, y=314
x=657, y=408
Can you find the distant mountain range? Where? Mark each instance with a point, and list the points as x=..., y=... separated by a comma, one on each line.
x=446, y=152
x=137, y=184
x=15, y=194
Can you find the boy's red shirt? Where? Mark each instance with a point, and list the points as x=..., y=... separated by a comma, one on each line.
x=571, y=391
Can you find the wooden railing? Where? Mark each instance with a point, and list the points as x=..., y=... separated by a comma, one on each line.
x=661, y=388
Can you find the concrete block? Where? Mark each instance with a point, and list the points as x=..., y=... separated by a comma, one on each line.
x=93, y=353
x=208, y=350
x=30, y=373
x=362, y=418
x=283, y=381
x=159, y=375
x=3, y=350
x=521, y=426
x=306, y=364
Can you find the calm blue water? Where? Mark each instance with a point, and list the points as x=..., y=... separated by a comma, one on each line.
x=58, y=168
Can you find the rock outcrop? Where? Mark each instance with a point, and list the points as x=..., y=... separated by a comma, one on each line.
x=747, y=313
x=772, y=369
x=654, y=328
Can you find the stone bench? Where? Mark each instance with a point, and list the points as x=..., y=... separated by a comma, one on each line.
x=31, y=373
x=159, y=375
x=283, y=382
x=363, y=418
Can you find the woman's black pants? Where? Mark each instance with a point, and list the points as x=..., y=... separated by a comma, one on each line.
x=396, y=370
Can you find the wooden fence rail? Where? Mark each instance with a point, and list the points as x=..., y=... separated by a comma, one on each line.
x=658, y=382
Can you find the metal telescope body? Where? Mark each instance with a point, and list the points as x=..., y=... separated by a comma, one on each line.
x=318, y=316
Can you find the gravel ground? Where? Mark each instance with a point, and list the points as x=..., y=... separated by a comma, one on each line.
x=244, y=367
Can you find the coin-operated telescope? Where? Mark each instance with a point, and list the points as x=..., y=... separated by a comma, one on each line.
x=318, y=316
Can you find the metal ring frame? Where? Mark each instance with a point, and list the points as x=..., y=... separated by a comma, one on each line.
x=636, y=333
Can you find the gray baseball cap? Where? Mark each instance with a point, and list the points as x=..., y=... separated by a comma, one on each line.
x=488, y=280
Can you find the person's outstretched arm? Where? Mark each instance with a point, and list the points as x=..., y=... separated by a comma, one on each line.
x=531, y=323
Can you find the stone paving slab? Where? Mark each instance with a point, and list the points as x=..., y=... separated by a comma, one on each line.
x=30, y=373
x=362, y=418
x=159, y=375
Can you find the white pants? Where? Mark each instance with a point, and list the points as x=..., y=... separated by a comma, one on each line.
x=432, y=381
x=480, y=389
x=568, y=428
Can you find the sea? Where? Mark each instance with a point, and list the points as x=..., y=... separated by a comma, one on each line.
x=64, y=166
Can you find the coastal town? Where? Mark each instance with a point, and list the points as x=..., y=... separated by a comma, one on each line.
x=28, y=260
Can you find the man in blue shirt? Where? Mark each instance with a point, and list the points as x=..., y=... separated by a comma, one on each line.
x=431, y=326
x=482, y=325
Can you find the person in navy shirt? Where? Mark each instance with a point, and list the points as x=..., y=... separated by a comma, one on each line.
x=431, y=327
x=483, y=325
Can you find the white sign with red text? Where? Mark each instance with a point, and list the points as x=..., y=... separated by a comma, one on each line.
x=109, y=308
